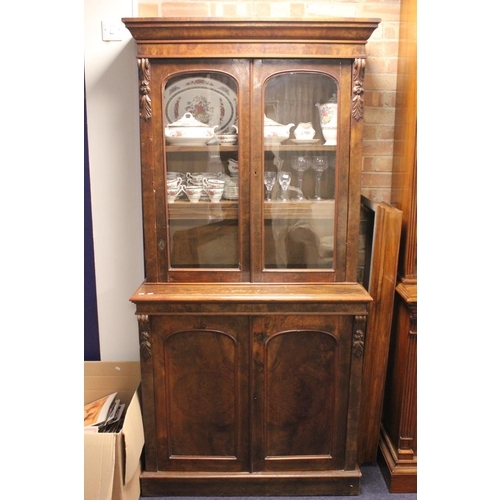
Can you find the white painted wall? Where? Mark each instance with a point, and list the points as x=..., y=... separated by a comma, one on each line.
x=114, y=157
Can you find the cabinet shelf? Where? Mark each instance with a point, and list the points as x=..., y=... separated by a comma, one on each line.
x=298, y=147
x=307, y=209
x=202, y=148
x=234, y=147
x=185, y=210
x=226, y=209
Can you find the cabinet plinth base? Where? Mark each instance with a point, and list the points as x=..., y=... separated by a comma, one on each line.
x=245, y=484
x=400, y=476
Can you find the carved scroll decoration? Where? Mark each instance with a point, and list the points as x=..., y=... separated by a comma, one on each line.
x=358, y=74
x=144, y=336
x=358, y=344
x=145, y=111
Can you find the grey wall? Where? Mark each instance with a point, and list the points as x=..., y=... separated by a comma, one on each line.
x=114, y=165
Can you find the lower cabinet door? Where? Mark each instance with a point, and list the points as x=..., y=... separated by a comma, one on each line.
x=201, y=393
x=263, y=393
x=301, y=369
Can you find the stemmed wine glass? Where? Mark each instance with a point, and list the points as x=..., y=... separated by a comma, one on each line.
x=284, y=179
x=319, y=164
x=269, y=181
x=300, y=164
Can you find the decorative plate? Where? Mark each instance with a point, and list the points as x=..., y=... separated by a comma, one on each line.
x=208, y=100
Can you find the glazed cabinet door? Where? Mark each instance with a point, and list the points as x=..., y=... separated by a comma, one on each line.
x=300, y=153
x=197, y=224
x=201, y=393
x=302, y=369
x=247, y=171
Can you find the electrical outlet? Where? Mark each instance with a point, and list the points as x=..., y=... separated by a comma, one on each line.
x=112, y=30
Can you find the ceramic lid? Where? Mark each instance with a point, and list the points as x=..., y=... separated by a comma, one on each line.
x=272, y=123
x=188, y=120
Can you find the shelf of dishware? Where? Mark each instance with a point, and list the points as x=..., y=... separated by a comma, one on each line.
x=271, y=147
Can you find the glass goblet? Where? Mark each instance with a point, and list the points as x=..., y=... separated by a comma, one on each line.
x=269, y=181
x=319, y=165
x=284, y=179
x=300, y=164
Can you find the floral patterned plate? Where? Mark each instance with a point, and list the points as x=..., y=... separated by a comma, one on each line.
x=208, y=100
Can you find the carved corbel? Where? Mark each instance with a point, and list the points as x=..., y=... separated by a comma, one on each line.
x=145, y=111
x=358, y=77
x=144, y=336
x=358, y=343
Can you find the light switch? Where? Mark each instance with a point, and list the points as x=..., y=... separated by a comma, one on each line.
x=112, y=30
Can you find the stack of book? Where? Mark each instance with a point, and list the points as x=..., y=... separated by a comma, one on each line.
x=105, y=414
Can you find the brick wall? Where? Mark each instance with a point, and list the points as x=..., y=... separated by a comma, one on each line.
x=380, y=78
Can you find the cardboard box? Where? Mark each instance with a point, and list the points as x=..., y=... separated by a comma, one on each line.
x=113, y=460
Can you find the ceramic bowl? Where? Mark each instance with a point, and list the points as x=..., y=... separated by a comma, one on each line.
x=226, y=139
x=189, y=131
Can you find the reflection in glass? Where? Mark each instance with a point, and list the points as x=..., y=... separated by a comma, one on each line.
x=299, y=234
x=300, y=164
x=202, y=226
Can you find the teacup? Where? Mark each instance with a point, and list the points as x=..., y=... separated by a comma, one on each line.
x=213, y=183
x=173, y=192
x=173, y=183
x=215, y=193
x=195, y=179
x=175, y=175
x=193, y=193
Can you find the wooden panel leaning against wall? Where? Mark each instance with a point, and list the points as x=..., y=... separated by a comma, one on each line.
x=381, y=228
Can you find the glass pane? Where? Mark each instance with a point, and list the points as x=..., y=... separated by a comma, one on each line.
x=202, y=188
x=300, y=132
